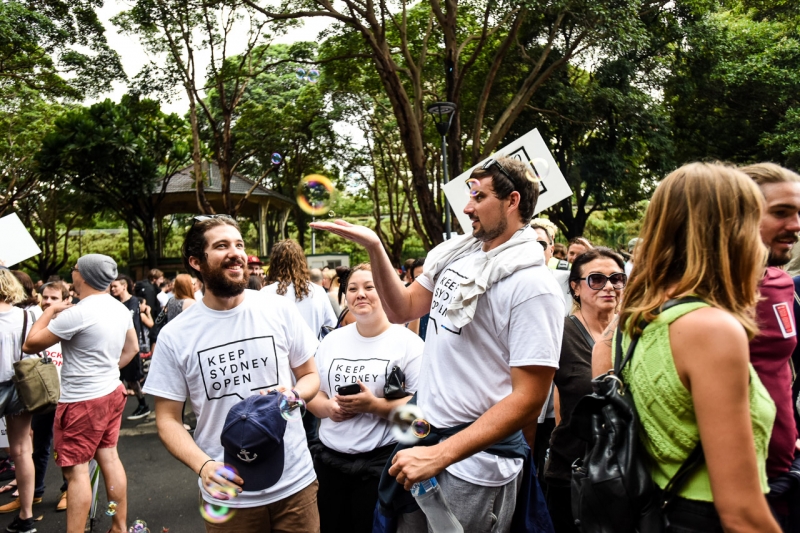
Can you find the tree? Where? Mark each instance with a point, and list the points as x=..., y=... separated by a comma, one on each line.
x=119, y=153
x=179, y=31
x=56, y=48
x=434, y=50
x=25, y=118
x=734, y=89
x=281, y=113
x=609, y=138
x=50, y=213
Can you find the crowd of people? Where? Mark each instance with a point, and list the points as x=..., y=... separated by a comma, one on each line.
x=495, y=337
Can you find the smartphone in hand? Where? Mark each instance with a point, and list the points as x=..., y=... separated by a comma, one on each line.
x=349, y=390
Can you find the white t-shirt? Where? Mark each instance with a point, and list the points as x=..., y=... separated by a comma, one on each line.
x=315, y=308
x=92, y=336
x=218, y=358
x=164, y=297
x=10, y=340
x=562, y=277
x=518, y=322
x=345, y=357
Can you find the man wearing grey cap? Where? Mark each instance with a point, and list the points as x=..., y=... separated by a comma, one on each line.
x=97, y=338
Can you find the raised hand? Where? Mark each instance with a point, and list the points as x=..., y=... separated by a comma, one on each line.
x=358, y=234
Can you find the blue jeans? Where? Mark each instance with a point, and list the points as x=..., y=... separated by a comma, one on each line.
x=42, y=426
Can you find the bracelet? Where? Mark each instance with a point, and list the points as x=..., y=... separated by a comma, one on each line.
x=200, y=473
x=296, y=394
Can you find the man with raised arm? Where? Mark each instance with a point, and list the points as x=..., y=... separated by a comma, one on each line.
x=496, y=321
x=224, y=353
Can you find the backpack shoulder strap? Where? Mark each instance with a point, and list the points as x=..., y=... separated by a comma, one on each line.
x=618, y=366
x=587, y=337
x=24, y=334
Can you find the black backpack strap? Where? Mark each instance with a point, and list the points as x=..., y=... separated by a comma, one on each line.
x=24, y=332
x=582, y=329
x=695, y=459
x=667, y=305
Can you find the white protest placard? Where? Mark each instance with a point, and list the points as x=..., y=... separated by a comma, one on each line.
x=16, y=244
x=530, y=148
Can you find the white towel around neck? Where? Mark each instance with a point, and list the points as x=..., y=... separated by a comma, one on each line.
x=520, y=251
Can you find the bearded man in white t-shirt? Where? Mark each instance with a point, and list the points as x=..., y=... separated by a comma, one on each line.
x=233, y=344
x=97, y=338
x=492, y=347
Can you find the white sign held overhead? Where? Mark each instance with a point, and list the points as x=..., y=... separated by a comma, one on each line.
x=529, y=149
x=16, y=244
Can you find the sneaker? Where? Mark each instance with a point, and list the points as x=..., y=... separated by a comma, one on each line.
x=21, y=526
x=140, y=412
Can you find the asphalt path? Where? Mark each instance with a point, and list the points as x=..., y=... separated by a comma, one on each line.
x=161, y=490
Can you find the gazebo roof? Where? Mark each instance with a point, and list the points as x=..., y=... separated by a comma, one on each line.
x=181, y=196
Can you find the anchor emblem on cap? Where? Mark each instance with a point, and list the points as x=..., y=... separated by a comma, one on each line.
x=244, y=455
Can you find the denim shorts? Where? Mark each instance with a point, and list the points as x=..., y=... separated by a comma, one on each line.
x=10, y=403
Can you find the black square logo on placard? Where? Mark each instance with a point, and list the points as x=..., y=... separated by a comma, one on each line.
x=521, y=154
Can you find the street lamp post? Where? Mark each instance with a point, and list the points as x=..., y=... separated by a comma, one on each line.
x=443, y=113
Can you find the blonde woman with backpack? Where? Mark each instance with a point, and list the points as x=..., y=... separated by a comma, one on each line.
x=690, y=375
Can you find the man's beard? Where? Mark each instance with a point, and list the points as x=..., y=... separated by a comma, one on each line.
x=219, y=284
x=485, y=234
x=776, y=260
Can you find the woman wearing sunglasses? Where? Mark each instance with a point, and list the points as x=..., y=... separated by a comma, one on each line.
x=595, y=284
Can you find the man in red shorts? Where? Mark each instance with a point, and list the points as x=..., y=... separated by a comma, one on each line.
x=97, y=338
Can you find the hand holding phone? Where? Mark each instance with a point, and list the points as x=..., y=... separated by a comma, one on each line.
x=348, y=390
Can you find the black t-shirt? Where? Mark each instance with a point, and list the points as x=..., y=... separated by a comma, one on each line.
x=148, y=292
x=574, y=381
x=133, y=306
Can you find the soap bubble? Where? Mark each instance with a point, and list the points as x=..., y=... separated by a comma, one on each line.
x=408, y=424
x=216, y=514
x=301, y=73
x=315, y=194
x=541, y=167
x=421, y=428
x=277, y=158
x=139, y=526
x=292, y=408
x=313, y=76
x=223, y=492
x=111, y=510
x=472, y=183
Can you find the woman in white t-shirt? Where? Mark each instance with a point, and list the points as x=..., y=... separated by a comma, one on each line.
x=355, y=435
x=13, y=331
x=288, y=276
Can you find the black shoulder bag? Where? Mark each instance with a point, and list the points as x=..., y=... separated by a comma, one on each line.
x=612, y=490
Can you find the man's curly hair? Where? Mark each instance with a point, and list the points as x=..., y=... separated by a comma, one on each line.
x=287, y=264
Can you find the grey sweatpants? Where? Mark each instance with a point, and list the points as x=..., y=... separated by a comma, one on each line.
x=478, y=509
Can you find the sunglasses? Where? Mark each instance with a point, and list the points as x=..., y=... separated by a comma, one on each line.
x=495, y=163
x=598, y=281
x=544, y=244
x=203, y=218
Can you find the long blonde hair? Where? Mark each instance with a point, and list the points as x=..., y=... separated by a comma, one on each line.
x=11, y=290
x=700, y=236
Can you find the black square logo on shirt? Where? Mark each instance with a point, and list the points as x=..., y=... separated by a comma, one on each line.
x=240, y=367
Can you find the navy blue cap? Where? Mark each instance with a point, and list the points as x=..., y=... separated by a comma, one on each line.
x=253, y=440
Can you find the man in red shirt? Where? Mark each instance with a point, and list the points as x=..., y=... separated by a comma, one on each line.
x=771, y=350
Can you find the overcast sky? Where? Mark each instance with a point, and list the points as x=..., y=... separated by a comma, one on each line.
x=134, y=57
